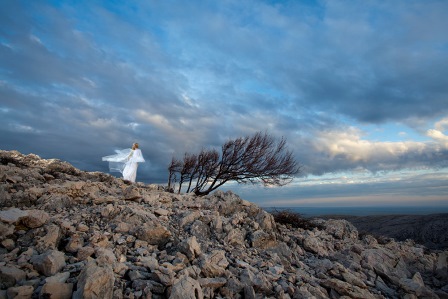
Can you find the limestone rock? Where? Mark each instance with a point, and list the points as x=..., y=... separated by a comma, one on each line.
x=345, y=289
x=262, y=240
x=214, y=264
x=35, y=218
x=57, y=290
x=153, y=234
x=189, y=217
x=10, y=276
x=341, y=229
x=75, y=243
x=51, y=238
x=315, y=245
x=5, y=230
x=84, y=253
x=49, y=263
x=186, y=288
x=105, y=257
x=95, y=282
x=122, y=240
x=12, y=215
x=20, y=292
x=190, y=247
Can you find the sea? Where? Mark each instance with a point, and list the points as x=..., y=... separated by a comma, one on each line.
x=361, y=211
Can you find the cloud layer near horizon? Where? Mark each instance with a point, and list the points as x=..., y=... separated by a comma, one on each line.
x=79, y=80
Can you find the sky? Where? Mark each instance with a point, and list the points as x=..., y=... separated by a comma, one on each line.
x=359, y=89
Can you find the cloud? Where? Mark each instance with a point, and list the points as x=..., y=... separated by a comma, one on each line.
x=438, y=133
x=345, y=149
x=78, y=80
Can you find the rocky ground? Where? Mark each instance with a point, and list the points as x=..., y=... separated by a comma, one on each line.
x=66, y=233
x=428, y=230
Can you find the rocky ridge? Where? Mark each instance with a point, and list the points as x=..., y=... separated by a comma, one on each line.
x=428, y=230
x=65, y=233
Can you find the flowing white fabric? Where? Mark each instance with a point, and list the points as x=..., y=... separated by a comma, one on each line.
x=125, y=161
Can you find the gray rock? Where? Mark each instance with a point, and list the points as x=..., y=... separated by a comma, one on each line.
x=265, y=220
x=346, y=289
x=50, y=240
x=161, y=212
x=10, y=276
x=57, y=290
x=95, y=282
x=186, y=288
x=235, y=237
x=163, y=275
x=9, y=244
x=341, y=229
x=249, y=292
x=214, y=264
x=189, y=217
x=262, y=240
x=59, y=277
x=212, y=282
x=105, y=257
x=75, y=243
x=35, y=218
x=154, y=234
x=6, y=230
x=200, y=230
x=190, y=247
x=149, y=262
x=85, y=252
x=12, y=215
x=315, y=245
x=20, y=292
x=49, y=263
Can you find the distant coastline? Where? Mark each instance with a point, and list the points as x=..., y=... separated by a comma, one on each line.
x=309, y=212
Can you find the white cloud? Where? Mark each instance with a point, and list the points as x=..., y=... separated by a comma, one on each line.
x=349, y=144
x=441, y=125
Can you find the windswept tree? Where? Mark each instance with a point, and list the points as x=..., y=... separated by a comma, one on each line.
x=250, y=159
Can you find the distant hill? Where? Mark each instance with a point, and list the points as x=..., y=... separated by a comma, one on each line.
x=428, y=230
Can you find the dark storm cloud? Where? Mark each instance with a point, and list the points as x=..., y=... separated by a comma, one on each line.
x=78, y=80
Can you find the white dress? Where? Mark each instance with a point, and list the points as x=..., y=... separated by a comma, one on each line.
x=125, y=161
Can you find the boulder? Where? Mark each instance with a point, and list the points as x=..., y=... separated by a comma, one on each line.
x=341, y=229
x=49, y=263
x=75, y=243
x=190, y=247
x=343, y=288
x=95, y=281
x=214, y=264
x=51, y=238
x=20, y=292
x=262, y=240
x=315, y=245
x=154, y=234
x=35, y=218
x=5, y=230
x=186, y=288
x=12, y=215
x=85, y=252
x=56, y=290
x=188, y=218
x=10, y=276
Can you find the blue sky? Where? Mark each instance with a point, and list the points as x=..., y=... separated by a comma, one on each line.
x=358, y=88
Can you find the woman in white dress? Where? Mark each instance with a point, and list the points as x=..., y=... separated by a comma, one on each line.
x=126, y=161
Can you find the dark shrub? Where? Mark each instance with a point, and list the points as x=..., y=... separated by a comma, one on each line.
x=295, y=220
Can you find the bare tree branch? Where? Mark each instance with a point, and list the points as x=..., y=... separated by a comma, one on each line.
x=254, y=159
